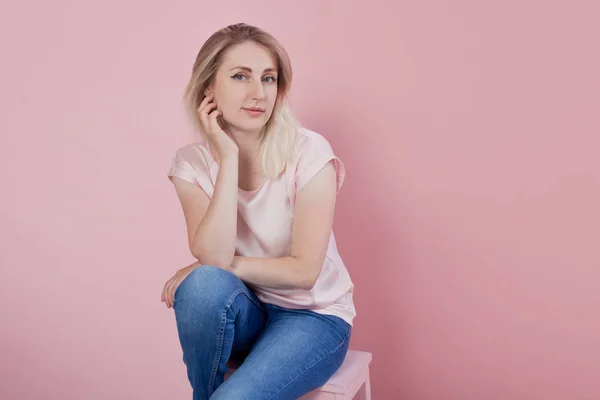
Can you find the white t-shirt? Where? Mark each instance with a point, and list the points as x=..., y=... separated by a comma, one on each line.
x=265, y=218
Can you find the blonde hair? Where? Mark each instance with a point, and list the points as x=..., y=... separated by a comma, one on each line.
x=280, y=130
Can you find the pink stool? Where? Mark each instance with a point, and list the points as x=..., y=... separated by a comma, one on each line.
x=349, y=379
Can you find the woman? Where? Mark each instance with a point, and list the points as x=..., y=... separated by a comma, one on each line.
x=258, y=195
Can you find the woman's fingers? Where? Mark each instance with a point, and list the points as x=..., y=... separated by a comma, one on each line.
x=204, y=102
x=167, y=291
x=204, y=109
x=163, y=296
x=172, y=289
x=214, y=124
x=168, y=294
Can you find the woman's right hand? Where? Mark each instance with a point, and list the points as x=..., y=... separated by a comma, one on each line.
x=208, y=113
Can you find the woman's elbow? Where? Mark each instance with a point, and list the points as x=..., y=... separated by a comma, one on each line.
x=212, y=259
x=308, y=284
x=310, y=279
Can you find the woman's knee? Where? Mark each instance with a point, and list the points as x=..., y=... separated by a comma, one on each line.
x=208, y=284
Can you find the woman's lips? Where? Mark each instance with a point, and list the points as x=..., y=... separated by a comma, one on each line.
x=255, y=112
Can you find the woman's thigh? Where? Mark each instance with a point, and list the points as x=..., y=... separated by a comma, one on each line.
x=297, y=351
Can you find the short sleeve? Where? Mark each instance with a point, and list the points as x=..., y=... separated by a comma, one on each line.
x=189, y=163
x=314, y=155
x=181, y=168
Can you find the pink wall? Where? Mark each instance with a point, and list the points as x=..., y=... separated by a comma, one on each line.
x=468, y=219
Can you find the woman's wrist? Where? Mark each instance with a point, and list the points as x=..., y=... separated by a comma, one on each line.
x=233, y=267
x=229, y=158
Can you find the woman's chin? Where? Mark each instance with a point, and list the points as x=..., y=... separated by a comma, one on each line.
x=248, y=126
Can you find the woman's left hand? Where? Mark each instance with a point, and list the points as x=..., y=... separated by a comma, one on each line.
x=172, y=284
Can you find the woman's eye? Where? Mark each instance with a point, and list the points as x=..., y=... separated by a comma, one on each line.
x=239, y=77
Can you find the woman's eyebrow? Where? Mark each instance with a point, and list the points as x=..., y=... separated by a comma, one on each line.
x=271, y=69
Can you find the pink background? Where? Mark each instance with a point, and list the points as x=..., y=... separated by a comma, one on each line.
x=469, y=220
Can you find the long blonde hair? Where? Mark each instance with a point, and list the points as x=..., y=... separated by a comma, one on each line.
x=280, y=130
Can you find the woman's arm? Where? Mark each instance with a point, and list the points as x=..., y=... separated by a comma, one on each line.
x=313, y=221
x=212, y=224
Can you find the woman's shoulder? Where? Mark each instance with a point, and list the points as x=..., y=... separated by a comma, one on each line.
x=310, y=141
x=312, y=152
x=195, y=156
x=193, y=152
x=190, y=163
x=308, y=135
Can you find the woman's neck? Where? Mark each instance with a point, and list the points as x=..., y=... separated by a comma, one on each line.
x=248, y=143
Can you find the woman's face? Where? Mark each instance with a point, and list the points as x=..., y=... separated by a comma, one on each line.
x=245, y=87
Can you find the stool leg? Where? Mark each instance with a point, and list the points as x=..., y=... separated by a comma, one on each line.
x=365, y=391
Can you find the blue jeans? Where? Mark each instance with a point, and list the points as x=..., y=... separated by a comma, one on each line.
x=284, y=353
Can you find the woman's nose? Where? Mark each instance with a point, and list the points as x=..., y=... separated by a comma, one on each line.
x=258, y=91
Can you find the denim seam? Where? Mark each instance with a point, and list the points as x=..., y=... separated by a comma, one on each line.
x=311, y=366
x=221, y=337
